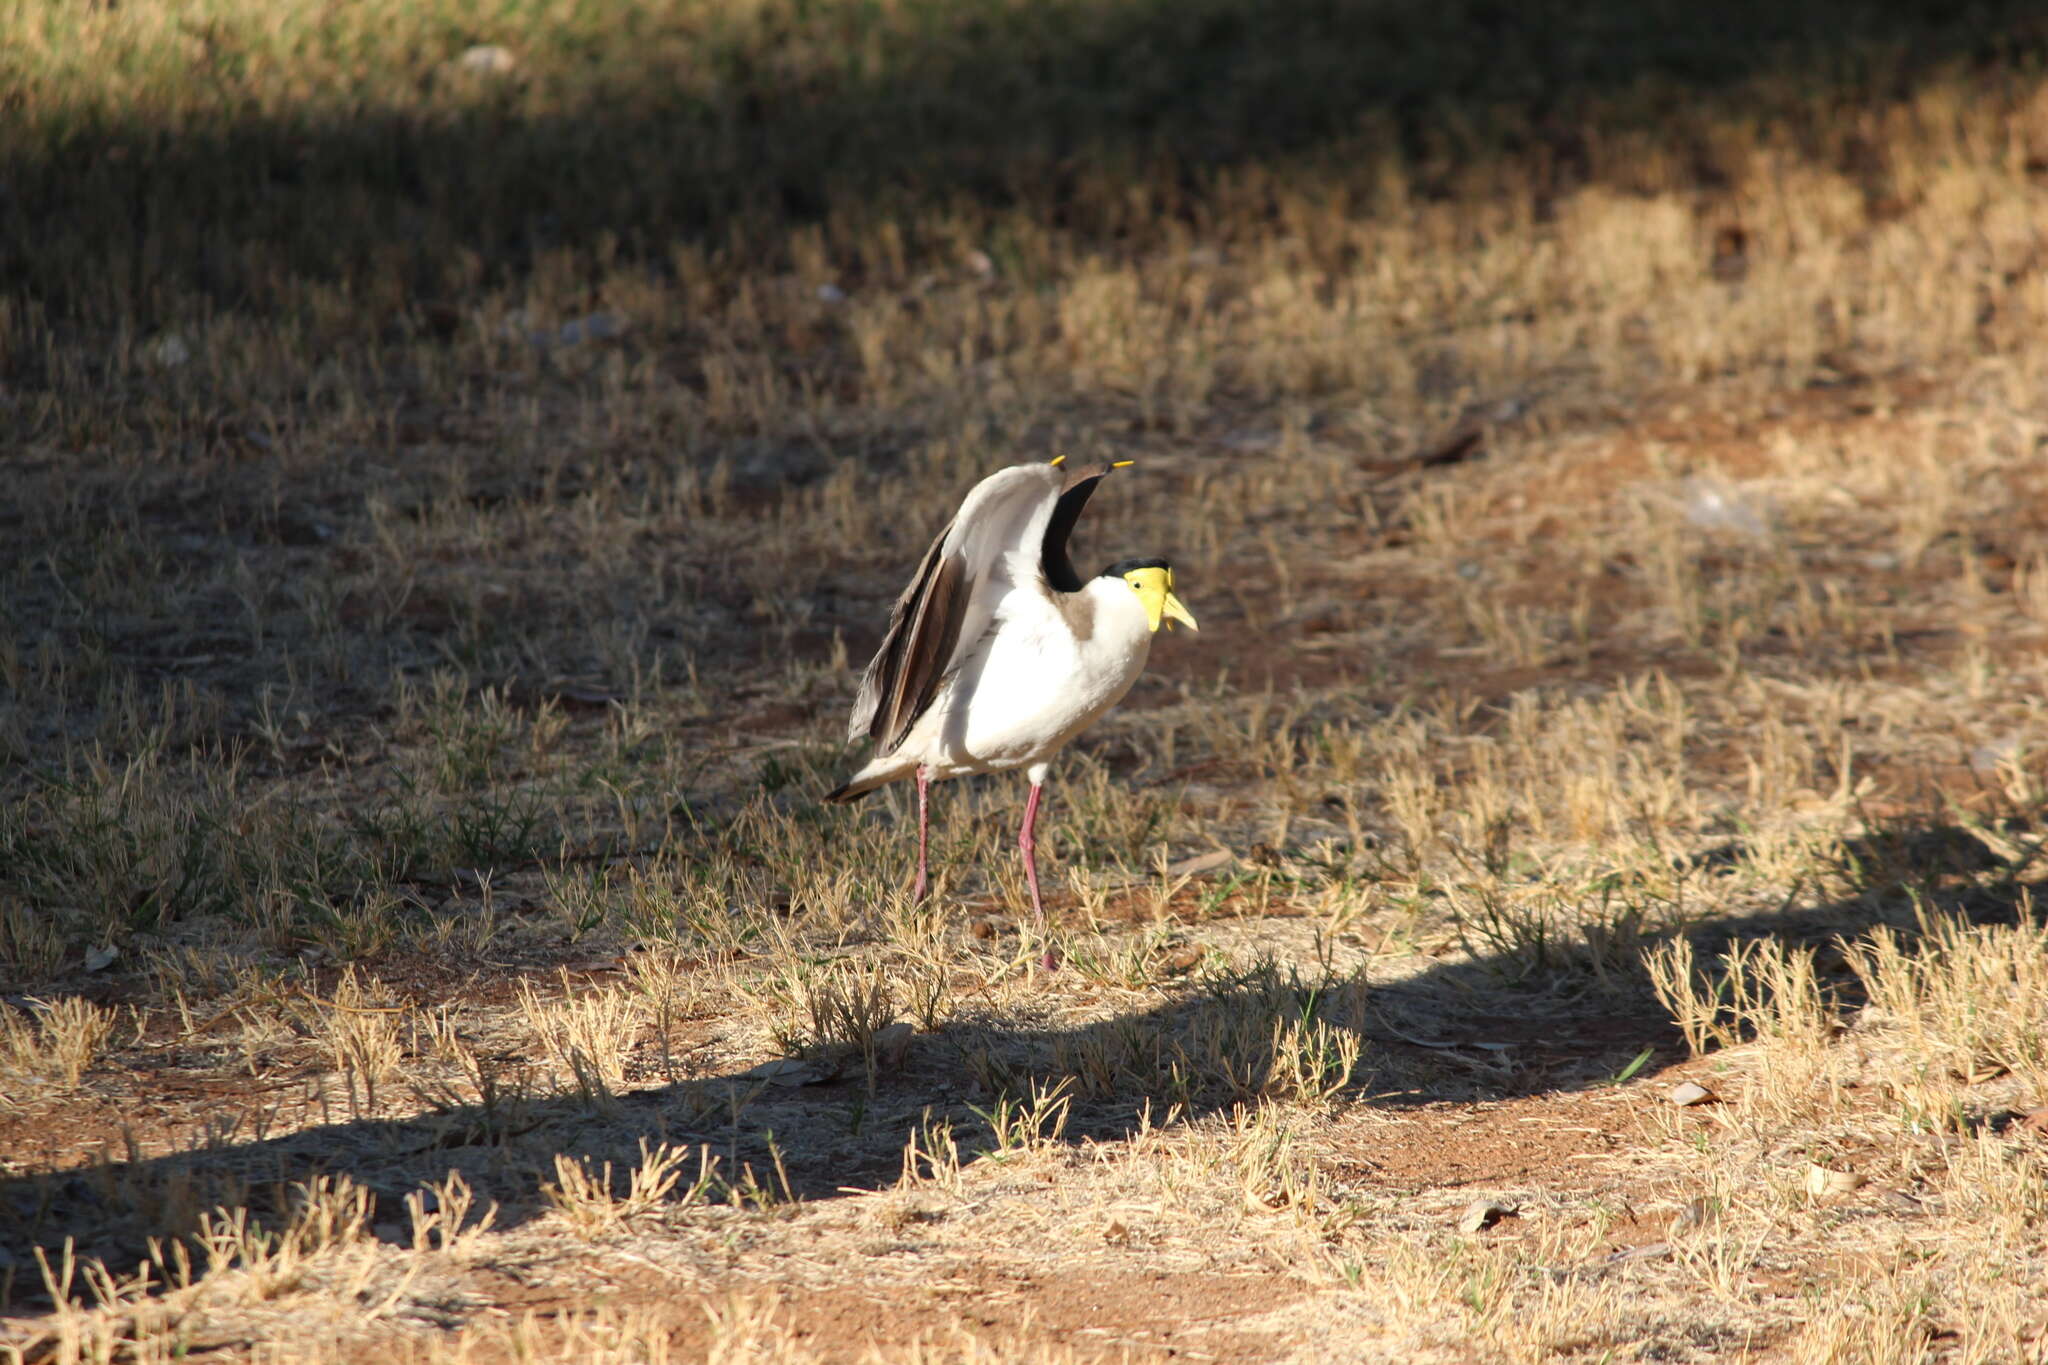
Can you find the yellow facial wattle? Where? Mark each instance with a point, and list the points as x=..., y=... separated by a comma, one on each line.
x=1154, y=587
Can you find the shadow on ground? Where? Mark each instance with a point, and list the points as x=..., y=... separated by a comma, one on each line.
x=660, y=126
x=1480, y=1030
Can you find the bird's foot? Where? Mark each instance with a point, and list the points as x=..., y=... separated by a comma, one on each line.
x=1048, y=956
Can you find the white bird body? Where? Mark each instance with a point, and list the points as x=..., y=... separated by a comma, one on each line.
x=1042, y=673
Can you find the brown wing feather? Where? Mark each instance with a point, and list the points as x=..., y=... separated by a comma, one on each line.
x=927, y=652
x=889, y=658
x=905, y=674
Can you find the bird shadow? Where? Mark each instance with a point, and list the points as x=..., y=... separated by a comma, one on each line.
x=1487, y=1028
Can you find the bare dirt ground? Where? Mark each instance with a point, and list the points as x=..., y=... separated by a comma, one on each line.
x=1572, y=900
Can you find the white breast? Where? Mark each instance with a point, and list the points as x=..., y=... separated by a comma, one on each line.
x=1036, y=684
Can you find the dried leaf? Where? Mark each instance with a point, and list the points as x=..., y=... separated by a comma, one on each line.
x=1455, y=447
x=1697, y=1213
x=572, y=697
x=1648, y=1251
x=1481, y=1214
x=793, y=1071
x=1823, y=1183
x=1691, y=1092
x=1202, y=862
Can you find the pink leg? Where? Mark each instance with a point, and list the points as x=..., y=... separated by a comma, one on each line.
x=1027, y=844
x=924, y=785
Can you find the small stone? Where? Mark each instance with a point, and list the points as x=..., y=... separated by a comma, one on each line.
x=1713, y=505
x=300, y=528
x=98, y=959
x=576, y=331
x=831, y=293
x=488, y=59
x=892, y=1044
x=168, y=351
x=1691, y=1092
x=1482, y=1214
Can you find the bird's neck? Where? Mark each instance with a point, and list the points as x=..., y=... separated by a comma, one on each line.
x=1117, y=612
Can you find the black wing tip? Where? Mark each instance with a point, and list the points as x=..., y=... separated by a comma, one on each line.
x=1066, y=511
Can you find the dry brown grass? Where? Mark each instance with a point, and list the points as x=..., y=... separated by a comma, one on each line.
x=429, y=580
x=1881, y=1126
x=52, y=1040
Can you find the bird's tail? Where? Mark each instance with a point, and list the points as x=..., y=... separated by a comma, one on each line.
x=879, y=772
x=849, y=791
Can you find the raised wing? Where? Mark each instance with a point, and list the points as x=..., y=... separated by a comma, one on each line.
x=1001, y=539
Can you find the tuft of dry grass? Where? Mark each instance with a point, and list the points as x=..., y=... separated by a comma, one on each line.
x=586, y=1201
x=362, y=1035
x=438, y=1215
x=52, y=1040
x=587, y=1036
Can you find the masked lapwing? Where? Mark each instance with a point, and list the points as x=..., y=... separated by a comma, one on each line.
x=998, y=652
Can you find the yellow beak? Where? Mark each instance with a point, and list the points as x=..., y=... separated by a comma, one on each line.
x=1154, y=586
